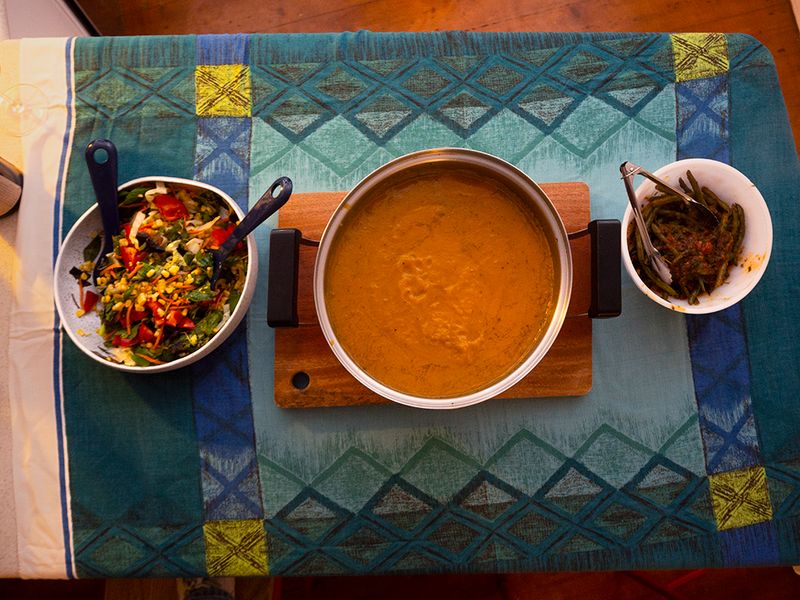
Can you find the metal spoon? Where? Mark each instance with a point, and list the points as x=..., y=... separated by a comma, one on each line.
x=266, y=206
x=658, y=263
x=629, y=169
x=103, y=173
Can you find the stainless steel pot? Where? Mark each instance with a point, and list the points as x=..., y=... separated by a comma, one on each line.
x=490, y=167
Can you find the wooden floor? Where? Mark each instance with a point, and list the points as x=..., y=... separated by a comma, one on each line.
x=764, y=584
x=771, y=21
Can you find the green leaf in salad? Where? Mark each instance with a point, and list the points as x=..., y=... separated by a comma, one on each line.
x=233, y=299
x=202, y=294
x=204, y=259
x=92, y=249
x=141, y=274
x=134, y=196
x=206, y=326
x=135, y=357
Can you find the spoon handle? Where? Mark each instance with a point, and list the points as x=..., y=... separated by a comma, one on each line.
x=101, y=158
x=637, y=213
x=628, y=170
x=266, y=206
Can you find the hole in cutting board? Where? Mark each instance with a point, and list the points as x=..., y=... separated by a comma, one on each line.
x=301, y=380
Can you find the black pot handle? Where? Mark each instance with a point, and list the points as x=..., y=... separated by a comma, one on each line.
x=606, y=268
x=284, y=266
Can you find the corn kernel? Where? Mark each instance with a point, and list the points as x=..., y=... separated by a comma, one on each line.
x=118, y=306
x=102, y=280
x=107, y=298
x=150, y=273
x=193, y=339
x=170, y=288
x=173, y=270
x=189, y=279
x=80, y=312
x=158, y=223
x=141, y=298
x=128, y=303
x=164, y=273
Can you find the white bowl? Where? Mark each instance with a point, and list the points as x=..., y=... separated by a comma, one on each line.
x=83, y=330
x=732, y=187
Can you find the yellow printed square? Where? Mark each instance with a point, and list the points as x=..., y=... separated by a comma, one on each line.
x=740, y=498
x=236, y=548
x=222, y=90
x=699, y=55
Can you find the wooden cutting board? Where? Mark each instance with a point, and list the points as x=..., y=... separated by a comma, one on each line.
x=566, y=370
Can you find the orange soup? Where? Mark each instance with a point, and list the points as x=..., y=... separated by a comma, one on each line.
x=441, y=285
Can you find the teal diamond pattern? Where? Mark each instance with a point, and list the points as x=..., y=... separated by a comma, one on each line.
x=425, y=83
x=512, y=462
x=164, y=92
x=342, y=160
x=411, y=521
x=383, y=115
x=546, y=104
x=340, y=84
x=453, y=467
x=352, y=480
x=145, y=551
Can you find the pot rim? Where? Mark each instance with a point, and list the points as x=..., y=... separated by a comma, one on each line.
x=554, y=229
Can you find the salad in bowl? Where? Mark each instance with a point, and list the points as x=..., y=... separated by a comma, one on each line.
x=152, y=305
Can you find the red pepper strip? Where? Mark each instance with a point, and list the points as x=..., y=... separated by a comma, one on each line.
x=131, y=257
x=89, y=301
x=170, y=207
x=122, y=342
x=174, y=317
x=154, y=308
x=145, y=334
x=220, y=234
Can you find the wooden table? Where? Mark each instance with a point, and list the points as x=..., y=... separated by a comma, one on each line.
x=771, y=21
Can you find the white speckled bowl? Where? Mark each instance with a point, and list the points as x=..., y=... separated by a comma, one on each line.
x=732, y=187
x=82, y=330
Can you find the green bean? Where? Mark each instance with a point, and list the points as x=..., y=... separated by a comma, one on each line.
x=664, y=190
x=664, y=200
x=639, y=247
x=681, y=216
x=659, y=234
x=681, y=236
x=658, y=281
x=713, y=197
x=685, y=217
x=722, y=275
x=648, y=220
x=740, y=233
x=696, y=189
x=723, y=222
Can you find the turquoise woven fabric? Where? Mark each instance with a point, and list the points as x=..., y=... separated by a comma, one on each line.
x=684, y=454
